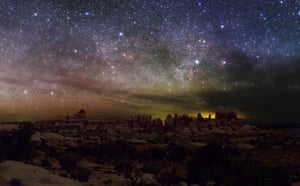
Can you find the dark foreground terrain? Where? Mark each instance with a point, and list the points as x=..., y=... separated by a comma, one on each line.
x=81, y=153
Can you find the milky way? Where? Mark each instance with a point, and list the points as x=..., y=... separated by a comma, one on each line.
x=117, y=58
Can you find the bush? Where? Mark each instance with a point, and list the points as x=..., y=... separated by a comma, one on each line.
x=50, y=151
x=107, y=182
x=67, y=162
x=3, y=150
x=176, y=152
x=150, y=168
x=154, y=153
x=81, y=174
x=107, y=152
x=227, y=166
x=169, y=178
x=15, y=182
x=20, y=146
x=45, y=163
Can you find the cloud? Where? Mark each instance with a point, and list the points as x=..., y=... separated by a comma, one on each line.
x=274, y=73
x=269, y=92
x=180, y=102
x=257, y=102
x=78, y=81
x=264, y=88
x=85, y=83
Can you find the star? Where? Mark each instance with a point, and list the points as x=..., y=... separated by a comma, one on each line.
x=87, y=13
x=151, y=55
x=224, y=62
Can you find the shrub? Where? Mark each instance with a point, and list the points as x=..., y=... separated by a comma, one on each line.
x=3, y=150
x=20, y=146
x=107, y=182
x=150, y=168
x=15, y=182
x=169, y=178
x=227, y=166
x=45, y=163
x=81, y=174
x=67, y=162
x=176, y=152
x=154, y=153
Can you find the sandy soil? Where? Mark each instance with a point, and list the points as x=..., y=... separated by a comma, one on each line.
x=31, y=175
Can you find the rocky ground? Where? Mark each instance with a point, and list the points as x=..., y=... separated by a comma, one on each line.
x=124, y=156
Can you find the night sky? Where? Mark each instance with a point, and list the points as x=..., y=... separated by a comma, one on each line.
x=120, y=57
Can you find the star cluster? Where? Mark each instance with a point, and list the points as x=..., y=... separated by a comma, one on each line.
x=116, y=57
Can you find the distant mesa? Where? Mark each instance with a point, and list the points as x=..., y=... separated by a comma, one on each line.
x=80, y=115
x=223, y=115
x=223, y=120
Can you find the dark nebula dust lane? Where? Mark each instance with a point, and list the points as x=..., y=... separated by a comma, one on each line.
x=117, y=58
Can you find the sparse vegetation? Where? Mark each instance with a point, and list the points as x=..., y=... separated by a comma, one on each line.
x=151, y=168
x=169, y=178
x=68, y=162
x=222, y=165
x=15, y=182
x=45, y=163
x=108, y=182
x=217, y=159
x=81, y=174
x=16, y=144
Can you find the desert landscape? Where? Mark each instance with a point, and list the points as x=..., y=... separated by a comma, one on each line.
x=143, y=151
x=149, y=93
